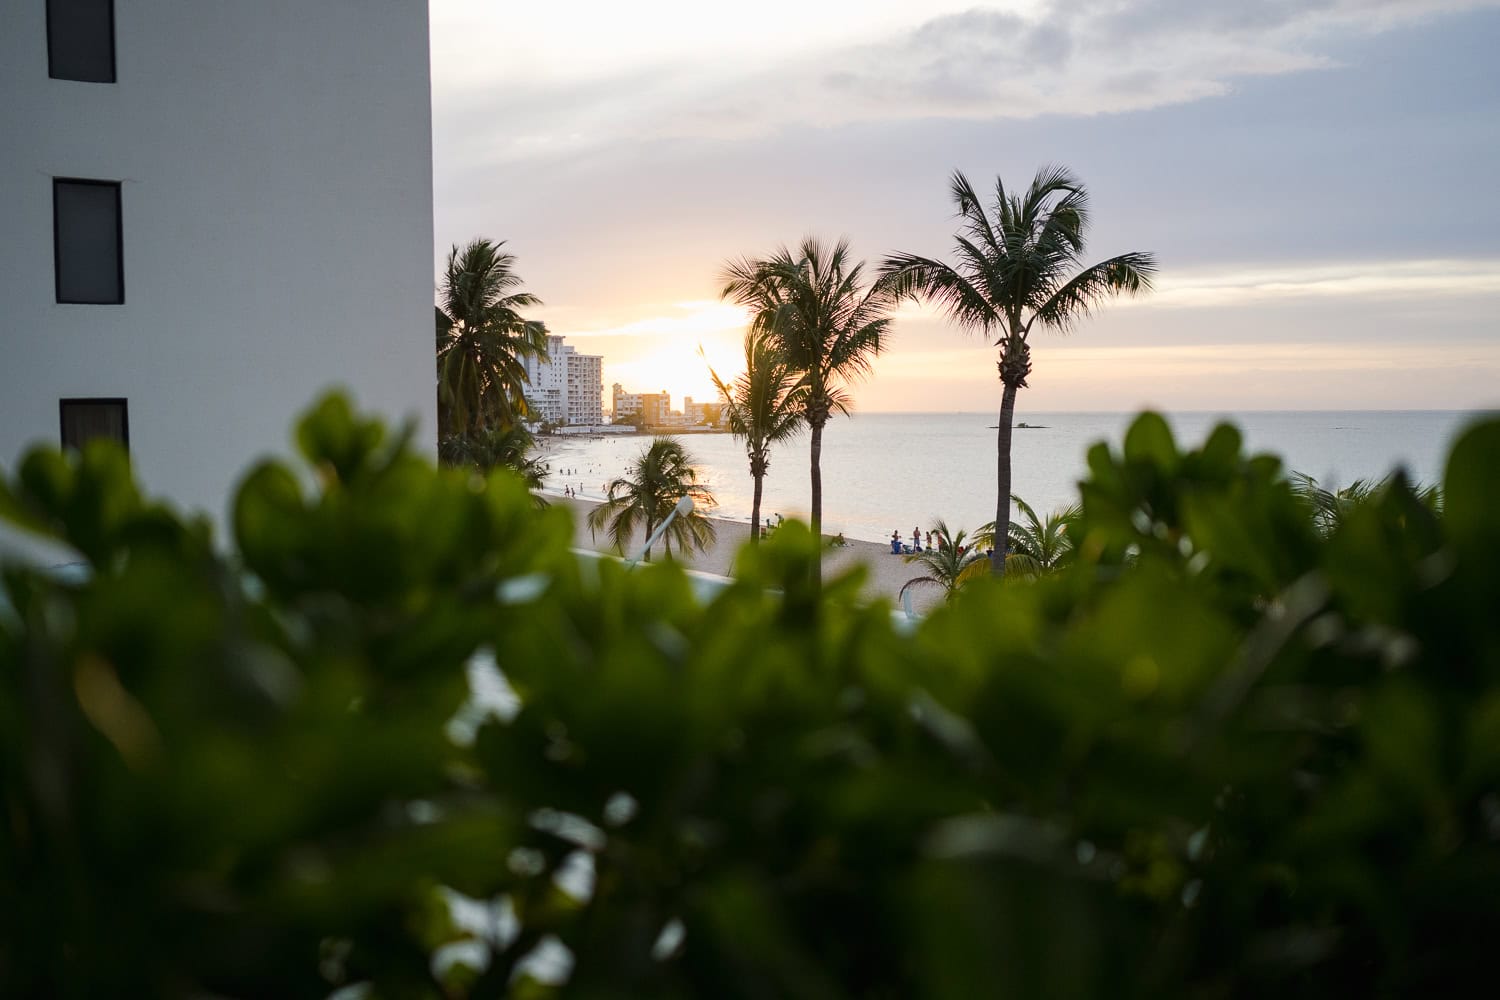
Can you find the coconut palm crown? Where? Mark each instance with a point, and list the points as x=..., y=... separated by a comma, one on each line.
x=1036, y=545
x=660, y=476
x=814, y=307
x=763, y=407
x=483, y=341
x=1019, y=268
x=496, y=447
x=1330, y=505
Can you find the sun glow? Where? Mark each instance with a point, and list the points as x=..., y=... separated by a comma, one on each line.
x=657, y=349
x=679, y=372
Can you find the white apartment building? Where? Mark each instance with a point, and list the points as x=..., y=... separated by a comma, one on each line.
x=548, y=382
x=567, y=388
x=585, y=388
x=211, y=213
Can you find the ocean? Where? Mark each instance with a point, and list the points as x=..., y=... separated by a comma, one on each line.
x=894, y=471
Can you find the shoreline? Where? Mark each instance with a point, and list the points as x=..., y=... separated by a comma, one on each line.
x=885, y=573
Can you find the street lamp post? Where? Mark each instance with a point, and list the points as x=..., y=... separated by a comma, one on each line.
x=684, y=507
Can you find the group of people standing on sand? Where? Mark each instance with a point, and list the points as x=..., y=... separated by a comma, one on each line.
x=900, y=548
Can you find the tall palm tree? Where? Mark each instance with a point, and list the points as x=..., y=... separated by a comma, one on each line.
x=1016, y=271
x=763, y=407
x=1036, y=545
x=483, y=341
x=660, y=476
x=949, y=564
x=815, y=309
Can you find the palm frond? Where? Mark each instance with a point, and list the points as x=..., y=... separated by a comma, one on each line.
x=1127, y=274
x=660, y=476
x=950, y=564
x=483, y=341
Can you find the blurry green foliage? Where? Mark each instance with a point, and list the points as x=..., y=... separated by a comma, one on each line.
x=1218, y=755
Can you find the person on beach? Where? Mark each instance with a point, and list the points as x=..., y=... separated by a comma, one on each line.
x=929, y=541
x=896, y=542
x=916, y=539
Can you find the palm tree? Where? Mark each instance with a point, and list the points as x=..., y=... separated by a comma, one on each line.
x=498, y=447
x=1036, y=546
x=642, y=498
x=821, y=319
x=949, y=564
x=483, y=341
x=1020, y=270
x=763, y=408
x=1330, y=506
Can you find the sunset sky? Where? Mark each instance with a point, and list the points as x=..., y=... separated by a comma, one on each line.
x=1318, y=179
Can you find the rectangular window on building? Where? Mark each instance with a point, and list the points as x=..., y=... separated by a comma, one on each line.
x=83, y=420
x=81, y=40
x=86, y=241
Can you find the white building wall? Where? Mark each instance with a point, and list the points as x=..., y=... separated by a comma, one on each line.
x=276, y=169
x=585, y=388
x=548, y=382
x=566, y=388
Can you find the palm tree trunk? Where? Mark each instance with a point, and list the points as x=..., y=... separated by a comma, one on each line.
x=1002, y=474
x=755, y=511
x=817, y=506
x=817, y=480
x=649, y=529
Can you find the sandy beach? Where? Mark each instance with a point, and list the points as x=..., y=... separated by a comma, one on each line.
x=887, y=572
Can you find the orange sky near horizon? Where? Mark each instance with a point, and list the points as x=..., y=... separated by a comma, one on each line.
x=1166, y=349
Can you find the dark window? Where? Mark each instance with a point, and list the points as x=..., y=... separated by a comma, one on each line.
x=86, y=237
x=83, y=420
x=81, y=40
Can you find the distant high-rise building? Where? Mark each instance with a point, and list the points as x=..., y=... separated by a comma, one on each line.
x=585, y=388
x=567, y=388
x=653, y=406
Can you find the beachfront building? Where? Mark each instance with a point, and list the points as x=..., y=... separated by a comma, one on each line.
x=585, y=389
x=623, y=405
x=546, y=383
x=212, y=213
x=655, y=407
x=567, y=388
x=701, y=414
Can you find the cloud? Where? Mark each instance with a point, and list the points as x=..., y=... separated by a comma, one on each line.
x=1368, y=281
x=1086, y=57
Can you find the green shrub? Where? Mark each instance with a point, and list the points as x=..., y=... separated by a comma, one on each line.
x=1219, y=755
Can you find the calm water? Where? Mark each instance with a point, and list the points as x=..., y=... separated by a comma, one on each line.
x=887, y=471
